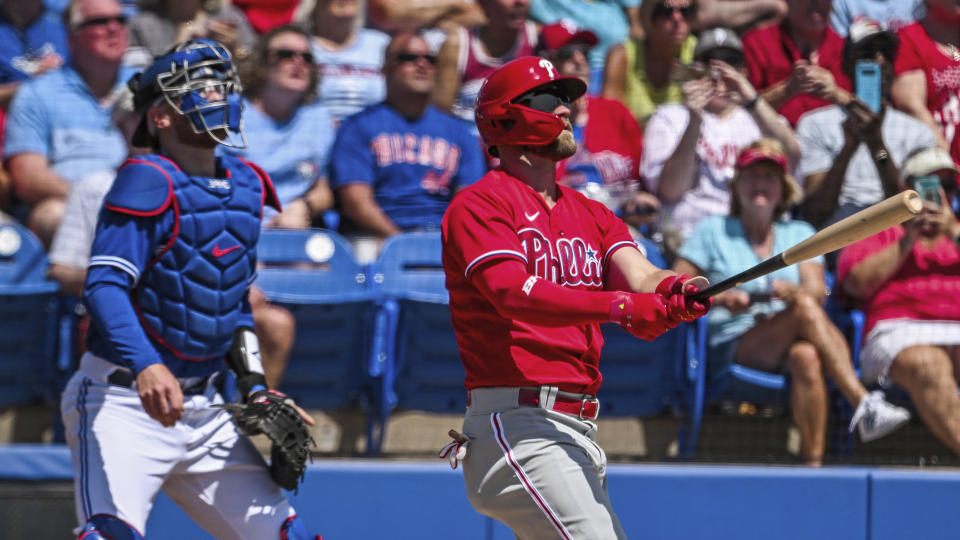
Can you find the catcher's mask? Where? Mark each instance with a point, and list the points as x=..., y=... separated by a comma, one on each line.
x=186, y=77
x=505, y=111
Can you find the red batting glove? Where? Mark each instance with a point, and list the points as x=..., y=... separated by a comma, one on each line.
x=672, y=285
x=680, y=307
x=642, y=314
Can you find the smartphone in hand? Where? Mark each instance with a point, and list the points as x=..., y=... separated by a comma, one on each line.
x=867, y=83
x=928, y=187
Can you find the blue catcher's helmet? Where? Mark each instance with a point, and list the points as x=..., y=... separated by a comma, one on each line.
x=184, y=78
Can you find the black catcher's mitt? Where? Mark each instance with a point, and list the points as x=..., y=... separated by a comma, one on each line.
x=273, y=414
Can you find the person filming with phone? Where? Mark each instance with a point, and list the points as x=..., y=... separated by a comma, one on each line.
x=851, y=154
x=906, y=279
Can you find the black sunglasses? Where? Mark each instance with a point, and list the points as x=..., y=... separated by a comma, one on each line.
x=103, y=21
x=403, y=58
x=287, y=54
x=663, y=11
x=545, y=100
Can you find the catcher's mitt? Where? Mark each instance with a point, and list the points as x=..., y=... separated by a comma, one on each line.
x=273, y=414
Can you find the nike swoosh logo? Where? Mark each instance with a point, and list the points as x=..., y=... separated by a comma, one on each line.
x=217, y=252
x=532, y=216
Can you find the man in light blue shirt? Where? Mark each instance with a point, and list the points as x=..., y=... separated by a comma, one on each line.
x=59, y=128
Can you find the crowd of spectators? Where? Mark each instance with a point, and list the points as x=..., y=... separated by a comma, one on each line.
x=357, y=111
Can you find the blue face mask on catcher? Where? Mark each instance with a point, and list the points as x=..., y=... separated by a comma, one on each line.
x=207, y=116
x=198, y=79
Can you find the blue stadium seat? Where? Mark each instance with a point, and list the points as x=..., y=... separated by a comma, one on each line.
x=415, y=344
x=314, y=274
x=28, y=318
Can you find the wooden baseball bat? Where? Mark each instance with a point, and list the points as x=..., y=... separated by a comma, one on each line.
x=867, y=222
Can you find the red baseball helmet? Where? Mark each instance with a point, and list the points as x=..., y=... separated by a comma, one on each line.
x=501, y=121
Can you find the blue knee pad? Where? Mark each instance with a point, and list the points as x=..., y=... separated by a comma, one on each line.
x=294, y=529
x=107, y=527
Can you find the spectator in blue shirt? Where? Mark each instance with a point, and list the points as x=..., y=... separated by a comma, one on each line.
x=395, y=165
x=777, y=323
x=59, y=129
x=32, y=41
x=289, y=136
x=288, y=133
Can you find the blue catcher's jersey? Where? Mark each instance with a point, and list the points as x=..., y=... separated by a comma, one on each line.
x=185, y=248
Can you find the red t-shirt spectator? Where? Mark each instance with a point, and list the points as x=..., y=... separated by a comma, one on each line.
x=771, y=54
x=926, y=287
x=266, y=14
x=612, y=139
x=918, y=51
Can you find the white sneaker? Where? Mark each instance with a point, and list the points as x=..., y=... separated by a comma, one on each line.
x=876, y=417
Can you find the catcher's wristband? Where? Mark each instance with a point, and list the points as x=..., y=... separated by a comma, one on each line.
x=249, y=384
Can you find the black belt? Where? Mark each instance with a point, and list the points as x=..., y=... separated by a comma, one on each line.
x=124, y=378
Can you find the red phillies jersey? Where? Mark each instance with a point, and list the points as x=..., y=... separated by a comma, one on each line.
x=501, y=217
x=918, y=51
x=770, y=55
x=925, y=287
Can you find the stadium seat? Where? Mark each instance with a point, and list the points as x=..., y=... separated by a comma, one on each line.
x=313, y=274
x=28, y=319
x=418, y=359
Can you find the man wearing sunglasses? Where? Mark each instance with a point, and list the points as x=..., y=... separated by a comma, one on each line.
x=533, y=268
x=59, y=130
x=395, y=165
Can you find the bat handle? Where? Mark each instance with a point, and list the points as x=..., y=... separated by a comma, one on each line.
x=767, y=266
x=712, y=290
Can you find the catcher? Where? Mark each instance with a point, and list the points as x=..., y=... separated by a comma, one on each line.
x=173, y=256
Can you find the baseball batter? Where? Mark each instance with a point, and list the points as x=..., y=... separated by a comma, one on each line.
x=533, y=268
x=166, y=288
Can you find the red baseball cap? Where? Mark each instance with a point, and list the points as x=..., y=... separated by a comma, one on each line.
x=753, y=155
x=563, y=33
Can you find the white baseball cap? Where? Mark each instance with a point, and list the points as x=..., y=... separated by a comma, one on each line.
x=927, y=161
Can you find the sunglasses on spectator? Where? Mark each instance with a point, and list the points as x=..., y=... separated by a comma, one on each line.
x=663, y=11
x=288, y=54
x=103, y=21
x=404, y=58
x=732, y=58
x=544, y=100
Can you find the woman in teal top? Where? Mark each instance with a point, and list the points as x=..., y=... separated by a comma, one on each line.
x=777, y=323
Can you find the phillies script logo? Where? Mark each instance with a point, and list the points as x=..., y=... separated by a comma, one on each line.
x=572, y=261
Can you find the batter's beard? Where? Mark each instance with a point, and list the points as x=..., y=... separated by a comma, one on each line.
x=561, y=148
